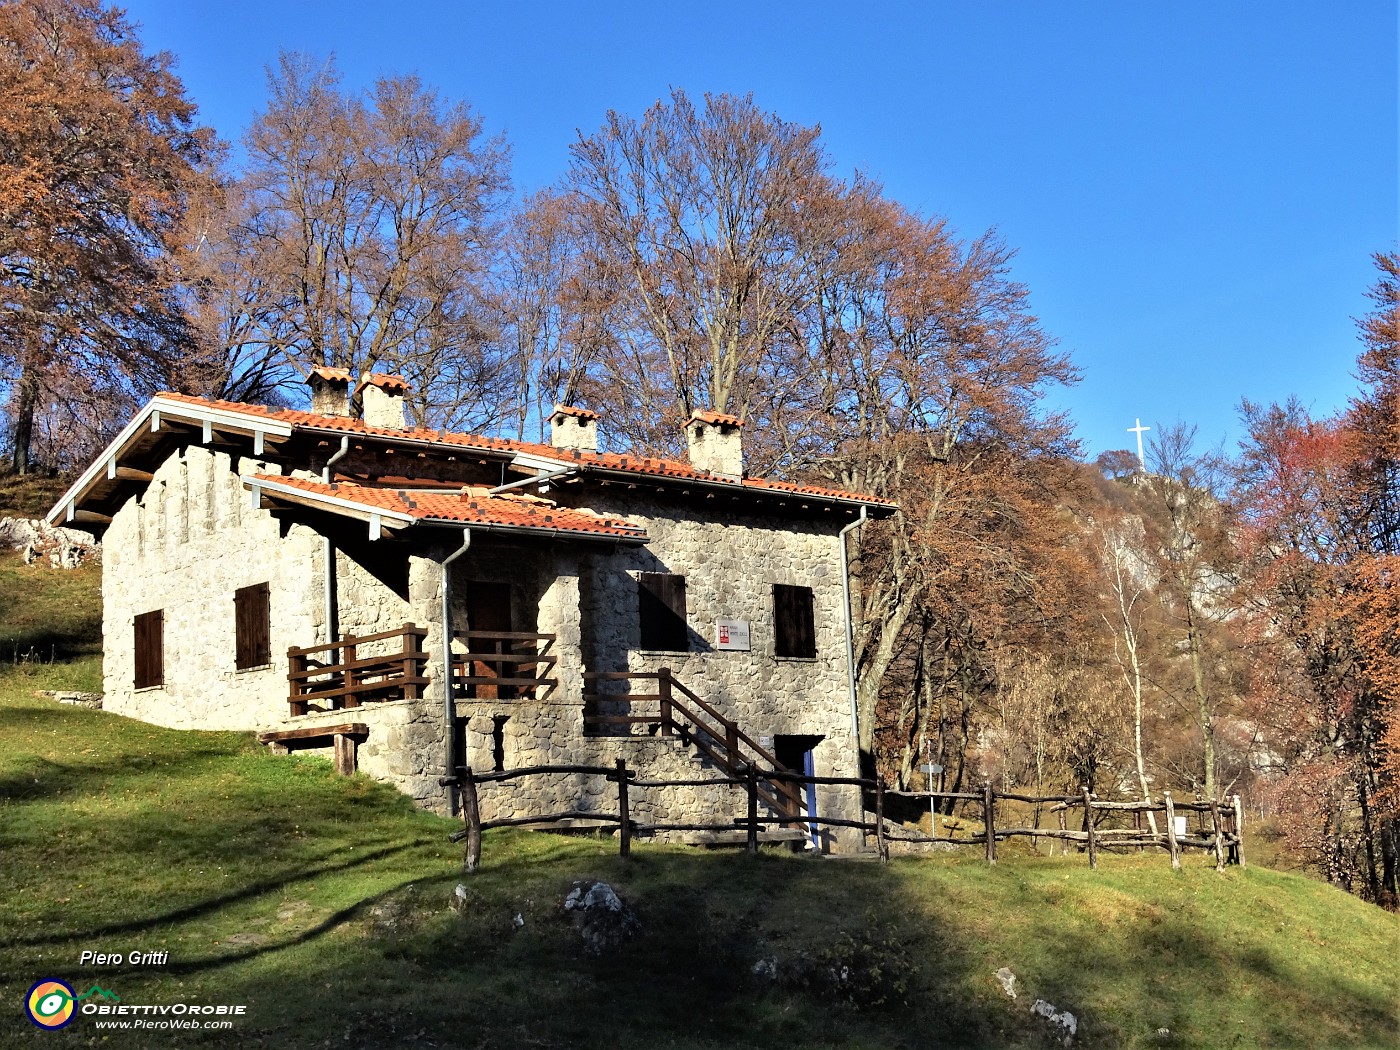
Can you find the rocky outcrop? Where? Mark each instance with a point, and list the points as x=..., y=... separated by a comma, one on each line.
x=40, y=541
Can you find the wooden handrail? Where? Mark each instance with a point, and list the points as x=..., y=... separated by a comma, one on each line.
x=352, y=679
x=519, y=660
x=505, y=636
x=355, y=639
x=713, y=724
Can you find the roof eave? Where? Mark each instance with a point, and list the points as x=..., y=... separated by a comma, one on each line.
x=150, y=417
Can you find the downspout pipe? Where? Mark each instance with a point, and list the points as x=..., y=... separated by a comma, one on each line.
x=332, y=626
x=850, y=639
x=448, y=710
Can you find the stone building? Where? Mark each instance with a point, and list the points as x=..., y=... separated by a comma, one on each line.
x=297, y=572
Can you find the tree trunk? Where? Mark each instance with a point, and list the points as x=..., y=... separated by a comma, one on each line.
x=26, y=403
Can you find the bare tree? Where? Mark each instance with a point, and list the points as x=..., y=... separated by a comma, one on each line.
x=364, y=238
x=1124, y=561
x=693, y=212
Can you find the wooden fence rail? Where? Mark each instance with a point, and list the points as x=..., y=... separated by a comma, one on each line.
x=1224, y=837
x=339, y=676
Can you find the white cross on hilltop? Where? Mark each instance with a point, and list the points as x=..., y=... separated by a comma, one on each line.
x=1139, y=430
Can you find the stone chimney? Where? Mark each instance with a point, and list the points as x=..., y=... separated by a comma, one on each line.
x=714, y=443
x=330, y=391
x=381, y=400
x=573, y=428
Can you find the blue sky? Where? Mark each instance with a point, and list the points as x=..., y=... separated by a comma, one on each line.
x=1195, y=189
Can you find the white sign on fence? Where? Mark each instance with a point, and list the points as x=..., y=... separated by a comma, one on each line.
x=732, y=635
x=1180, y=827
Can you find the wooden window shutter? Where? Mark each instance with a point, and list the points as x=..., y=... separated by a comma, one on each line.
x=794, y=621
x=251, y=627
x=150, y=649
x=661, y=611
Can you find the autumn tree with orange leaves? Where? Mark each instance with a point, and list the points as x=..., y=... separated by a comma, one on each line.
x=1320, y=530
x=101, y=157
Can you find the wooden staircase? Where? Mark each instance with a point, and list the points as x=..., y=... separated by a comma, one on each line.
x=673, y=710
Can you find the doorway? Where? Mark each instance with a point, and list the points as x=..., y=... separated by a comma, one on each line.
x=795, y=753
x=489, y=624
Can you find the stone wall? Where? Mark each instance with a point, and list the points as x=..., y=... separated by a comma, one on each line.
x=184, y=545
x=587, y=595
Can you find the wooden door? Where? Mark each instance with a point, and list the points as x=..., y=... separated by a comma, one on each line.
x=488, y=611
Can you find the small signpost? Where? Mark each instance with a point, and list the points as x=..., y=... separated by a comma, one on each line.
x=933, y=769
x=732, y=635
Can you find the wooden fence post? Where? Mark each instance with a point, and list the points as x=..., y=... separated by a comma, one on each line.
x=1089, y=828
x=625, y=822
x=751, y=842
x=348, y=698
x=296, y=674
x=471, y=814
x=1063, y=814
x=410, y=661
x=1218, y=844
x=1172, y=847
x=1238, y=806
x=989, y=802
x=663, y=684
x=882, y=844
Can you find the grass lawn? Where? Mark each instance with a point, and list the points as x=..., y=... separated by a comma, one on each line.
x=329, y=908
x=325, y=905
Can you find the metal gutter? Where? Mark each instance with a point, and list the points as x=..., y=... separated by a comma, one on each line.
x=449, y=717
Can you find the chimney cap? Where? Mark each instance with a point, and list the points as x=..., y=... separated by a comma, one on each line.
x=390, y=384
x=719, y=419
x=575, y=411
x=329, y=374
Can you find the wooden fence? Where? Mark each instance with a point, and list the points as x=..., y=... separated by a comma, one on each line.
x=338, y=675
x=1223, y=838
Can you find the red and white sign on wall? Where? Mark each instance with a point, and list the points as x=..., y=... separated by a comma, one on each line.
x=732, y=635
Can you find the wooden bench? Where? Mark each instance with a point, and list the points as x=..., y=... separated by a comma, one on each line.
x=343, y=736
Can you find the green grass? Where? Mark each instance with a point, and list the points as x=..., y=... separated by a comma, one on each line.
x=49, y=614
x=325, y=904
x=29, y=495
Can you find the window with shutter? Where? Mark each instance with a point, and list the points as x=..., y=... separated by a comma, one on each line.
x=150, y=649
x=661, y=611
x=794, y=621
x=251, y=627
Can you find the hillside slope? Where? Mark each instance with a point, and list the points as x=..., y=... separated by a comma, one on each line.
x=329, y=908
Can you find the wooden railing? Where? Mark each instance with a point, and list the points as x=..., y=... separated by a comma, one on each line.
x=338, y=674
x=500, y=665
x=680, y=712
x=1224, y=837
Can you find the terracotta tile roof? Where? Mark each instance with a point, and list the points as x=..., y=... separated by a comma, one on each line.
x=574, y=410
x=644, y=466
x=393, y=384
x=333, y=375
x=714, y=418
x=473, y=505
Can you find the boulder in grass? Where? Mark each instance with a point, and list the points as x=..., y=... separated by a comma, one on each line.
x=603, y=919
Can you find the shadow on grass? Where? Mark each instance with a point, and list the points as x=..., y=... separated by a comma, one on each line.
x=208, y=905
x=46, y=646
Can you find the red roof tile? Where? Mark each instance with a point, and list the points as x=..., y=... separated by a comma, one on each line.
x=714, y=418
x=630, y=464
x=574, y=410
x=393, y=384
x=334, y=375
x=473, y=506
